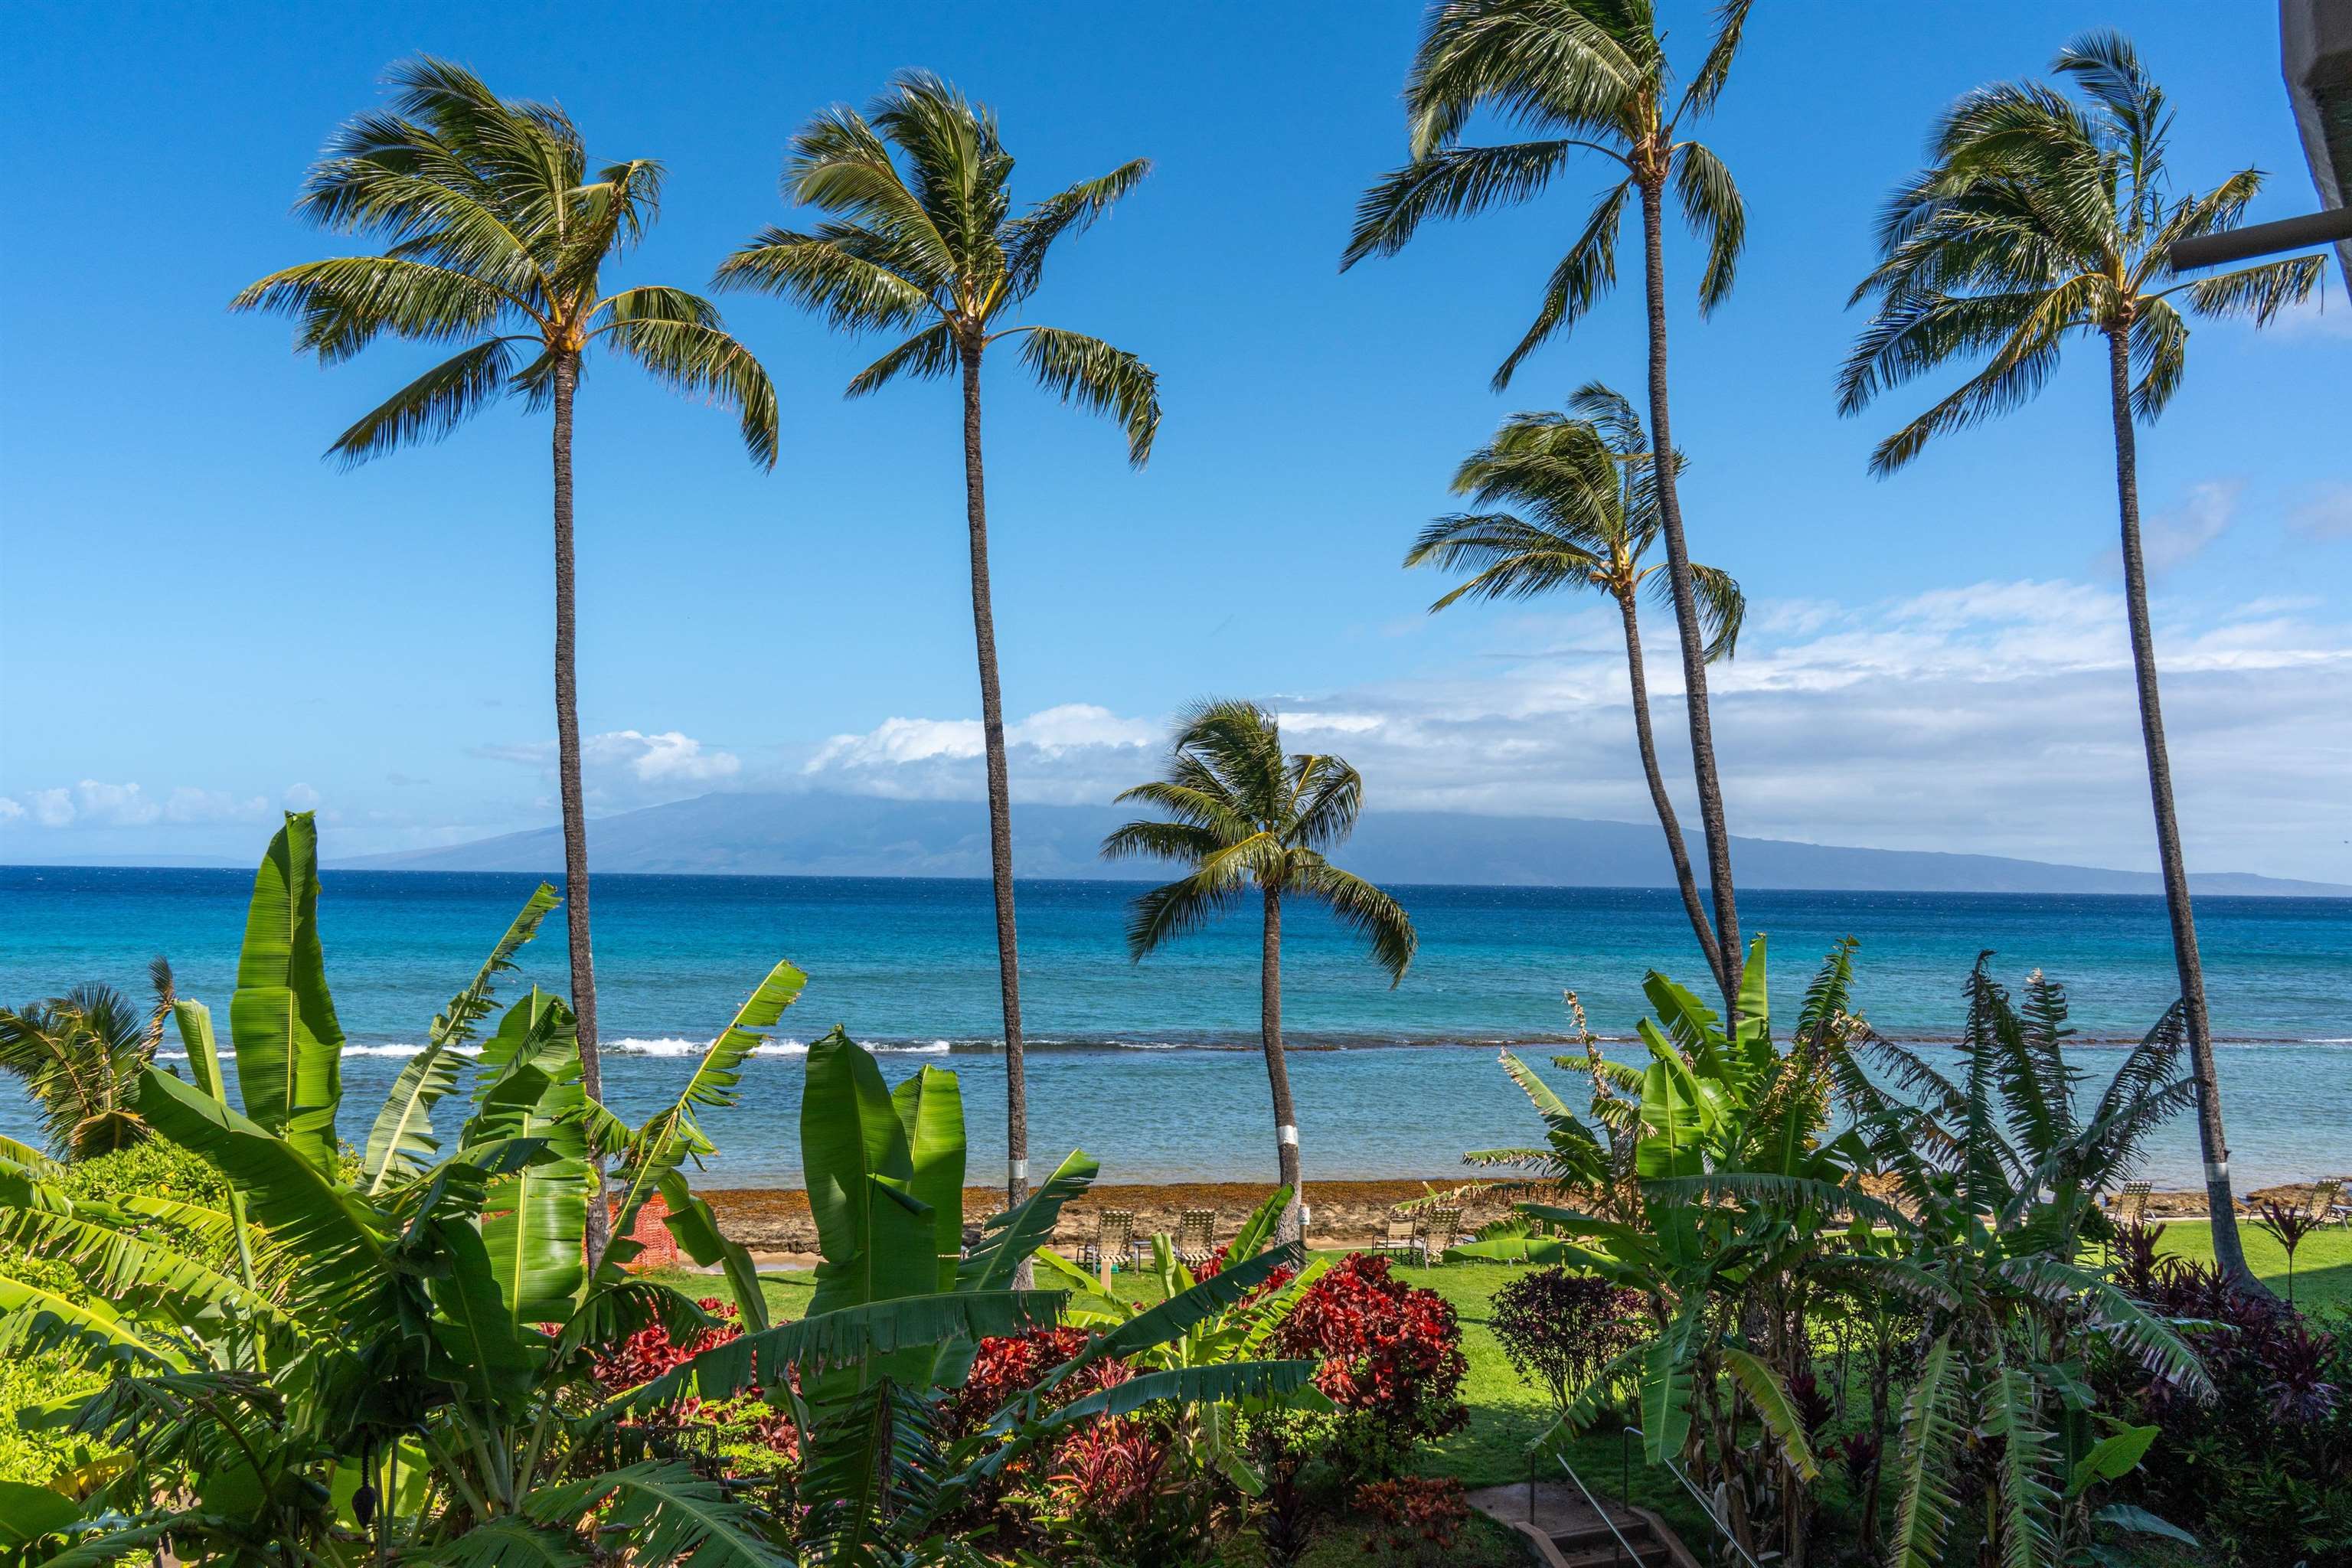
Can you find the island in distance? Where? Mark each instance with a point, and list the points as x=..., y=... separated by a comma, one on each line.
x=815, y=833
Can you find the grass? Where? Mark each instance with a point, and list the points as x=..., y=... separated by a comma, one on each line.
x=2323, y=1264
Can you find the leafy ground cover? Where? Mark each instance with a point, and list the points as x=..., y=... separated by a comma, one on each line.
x=1507, y=1414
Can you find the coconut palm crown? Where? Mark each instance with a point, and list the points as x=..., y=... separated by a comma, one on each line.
x=80, y=1056
x=1582, y=512
x=1588, y=79
x=920, y=237
x=2040, y=221
x=1241, y=814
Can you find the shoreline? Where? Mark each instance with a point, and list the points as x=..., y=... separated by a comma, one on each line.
x=775, y=1222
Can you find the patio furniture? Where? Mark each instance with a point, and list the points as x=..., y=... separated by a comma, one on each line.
x=2325, y=1204
x=2340, y=1206
x=2131, y=1203
x=1113, y=1242
x=1440, y=1228
x=1401, y=1239
x=1196, y=1236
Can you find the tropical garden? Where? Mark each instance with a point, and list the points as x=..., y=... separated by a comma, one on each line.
x=1805, y=1294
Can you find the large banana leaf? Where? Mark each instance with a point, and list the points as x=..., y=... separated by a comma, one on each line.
x=118, y=1266
x=401, y=1142
x=695, y=1229
x=675, y=1134
x=879, y=1241
x=1770, y=1396
x=194, y=1021
x=29, y=1162
x=32, y=1318
x=281, y=1019
x=1924, y=1485
x=1673, y=1119
x=538, y=1031
x=535, y=1221
x=1666, y=1384
x=930, y=1107
x=335, y=1243
x=663, y=1511
x=1007, y=1239
x=508, y=1542
x=484, y=1350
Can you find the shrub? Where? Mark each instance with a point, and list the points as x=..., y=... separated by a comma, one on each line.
x=1392, y=1356
x=1116, y=1495
x=2262, y=1473
x=1418, y=1515
x=157, y=1168
x=732, y=1438
x=1559, y=1329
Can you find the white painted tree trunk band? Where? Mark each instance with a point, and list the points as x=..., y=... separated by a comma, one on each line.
x=1019, y=1170
x=1287, y=1135
x=2214, y=1173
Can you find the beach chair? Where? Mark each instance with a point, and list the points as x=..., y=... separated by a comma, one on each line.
x=2131, y=1203
x=1196, y=1236
x=1402, y=1235
x=2321, y=1205
x=1113, y=1242
x=2340, y=1206
x=1440, y=1228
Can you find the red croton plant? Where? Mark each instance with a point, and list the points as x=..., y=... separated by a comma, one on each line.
x=1391, y=1354
x=735, y=1429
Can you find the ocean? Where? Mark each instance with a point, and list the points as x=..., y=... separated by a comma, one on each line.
x=1153, y=1068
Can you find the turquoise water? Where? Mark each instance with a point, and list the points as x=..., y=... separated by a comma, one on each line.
x=1152, y=1068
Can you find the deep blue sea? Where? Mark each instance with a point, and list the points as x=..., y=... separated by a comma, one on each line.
x=1153, y=1068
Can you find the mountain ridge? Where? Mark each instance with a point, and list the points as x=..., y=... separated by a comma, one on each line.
x=814, y=834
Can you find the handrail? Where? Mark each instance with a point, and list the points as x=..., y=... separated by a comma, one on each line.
x=1700, y=1498
x=1591, y=1501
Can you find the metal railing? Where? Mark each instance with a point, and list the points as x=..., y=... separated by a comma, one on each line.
x=1625, y=1459
x=1632, y=1553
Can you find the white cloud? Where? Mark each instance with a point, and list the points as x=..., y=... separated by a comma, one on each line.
x=2322, y=314
x=1995, y=718
x=9, y=810
x=626, y=768
x=1076, y=752
x=52, y=807
x=301, y=797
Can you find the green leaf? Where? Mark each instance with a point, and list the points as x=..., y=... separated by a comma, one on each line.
x=673, y=1134
x=30, y=1514
x=487, y=1354
x=510, y=1543
x=878, y=1241
x=1924, y=1471
x=32, y=1318
x=930, y=1107
x=1769, y=1396
x=1666, y=1383
x=1670, y=1145
x=2139, y=1522
x=1007, y=1238
x=845, y=1337
x=662, y=1512
x=334, y=1241
x=281, y=1019
x=2110, y=1459
x=696, y=1230
x=401, y=1142
x=194, y=1021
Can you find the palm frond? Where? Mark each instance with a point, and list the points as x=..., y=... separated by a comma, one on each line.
x=1363, y=908
x=695, y=356
x=1099, y=378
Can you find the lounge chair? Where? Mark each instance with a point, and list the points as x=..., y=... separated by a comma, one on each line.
x=1439, y=1229
x=1401, y=1239
x=2325, y=1204
x=1196, y=1236
x=2130, y=1206
x=1112, y=1242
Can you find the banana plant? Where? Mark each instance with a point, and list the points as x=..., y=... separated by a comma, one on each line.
x=900, y=1306
x=1715, y=1178
x=388, y=1364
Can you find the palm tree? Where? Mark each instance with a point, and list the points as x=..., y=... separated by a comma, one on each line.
x=2039, y=220
x=1583, y=498
x=931, y=249
x=1590, y=77
x=496, y=236
x=80, y=1056
x=1244, y=815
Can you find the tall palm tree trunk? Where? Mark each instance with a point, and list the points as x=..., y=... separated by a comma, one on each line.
x=2229, y=1252
x=1000, y=794
x=1678, y=573
x=567, y=771
x=1665, y=803
x=1277, y=1074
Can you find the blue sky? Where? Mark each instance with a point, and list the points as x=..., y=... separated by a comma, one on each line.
x=204, y=621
